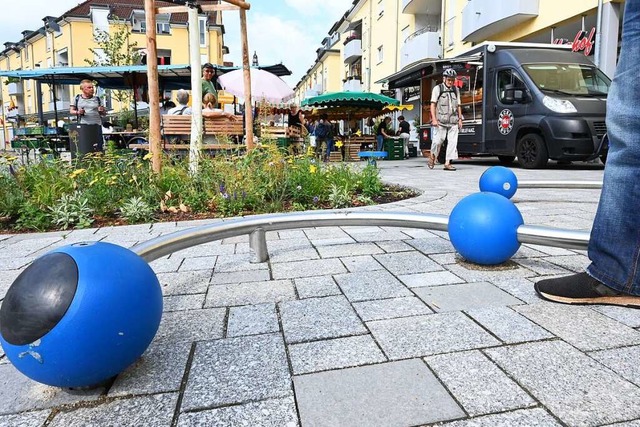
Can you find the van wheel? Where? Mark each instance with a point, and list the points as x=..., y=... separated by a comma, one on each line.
x=532, y=152
x=506, y=160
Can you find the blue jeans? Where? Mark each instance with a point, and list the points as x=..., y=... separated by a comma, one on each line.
x=380, y=141
x=330, y=144
x=614, y=247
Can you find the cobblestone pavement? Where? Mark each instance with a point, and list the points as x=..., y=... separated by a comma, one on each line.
x=359, y=326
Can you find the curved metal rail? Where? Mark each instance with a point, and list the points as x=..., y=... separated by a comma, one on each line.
x=257, y=226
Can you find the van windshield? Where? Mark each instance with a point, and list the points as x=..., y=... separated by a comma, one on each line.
x=569, y=79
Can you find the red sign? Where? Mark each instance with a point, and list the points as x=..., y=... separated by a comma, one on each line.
x=584, y=42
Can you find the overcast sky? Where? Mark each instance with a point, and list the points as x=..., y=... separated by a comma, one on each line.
x=287, y=31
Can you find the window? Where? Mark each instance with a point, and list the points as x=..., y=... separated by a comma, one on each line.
x=202, y=23
x=450, y=22
x=508, y=79
x=49, y=41
x=380, y=8
x=380, y=54
x=26, y=53
x=100, y=20
x=163, y=28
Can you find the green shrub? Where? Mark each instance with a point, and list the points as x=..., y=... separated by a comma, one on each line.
x=136, y=209
x=72, y=210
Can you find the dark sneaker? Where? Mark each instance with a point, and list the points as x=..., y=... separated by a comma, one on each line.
x=583, y=289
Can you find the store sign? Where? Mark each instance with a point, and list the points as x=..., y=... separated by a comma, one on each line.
x=410, y=93
x=584, y=42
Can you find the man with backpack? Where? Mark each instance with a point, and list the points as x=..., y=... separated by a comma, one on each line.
x=88, y=109
x=446, y=119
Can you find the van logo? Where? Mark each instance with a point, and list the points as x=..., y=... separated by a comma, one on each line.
x=505, y=121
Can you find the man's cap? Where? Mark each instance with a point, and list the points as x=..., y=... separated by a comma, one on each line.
x=207, y=65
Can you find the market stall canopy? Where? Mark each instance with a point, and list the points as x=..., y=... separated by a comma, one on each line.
x=351, y=100
x=124, y=77
x=265, y=86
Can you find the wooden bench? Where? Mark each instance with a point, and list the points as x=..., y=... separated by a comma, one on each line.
x=185, y=147
x=181, y=125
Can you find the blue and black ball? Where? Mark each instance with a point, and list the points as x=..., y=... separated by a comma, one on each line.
x=483, y=228
x=80, y=314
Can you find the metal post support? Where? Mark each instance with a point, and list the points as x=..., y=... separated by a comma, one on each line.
x=258, y=242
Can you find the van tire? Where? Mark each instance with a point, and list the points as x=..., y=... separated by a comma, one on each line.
x=506, y=160
x=532, y=152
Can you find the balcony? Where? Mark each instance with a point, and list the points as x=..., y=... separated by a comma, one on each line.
x=352, y=51
x=481, y=19
x=352, y=85
x=419, y=7
x=15, y=89
x=420, y=45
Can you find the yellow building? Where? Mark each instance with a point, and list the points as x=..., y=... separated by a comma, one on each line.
x=71, y=41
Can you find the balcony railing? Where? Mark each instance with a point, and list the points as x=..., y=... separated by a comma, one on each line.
x=420, y=7
x=15, y=88
x=481, y=19
x=352, y=85
x=352, y=51
x=422, y=44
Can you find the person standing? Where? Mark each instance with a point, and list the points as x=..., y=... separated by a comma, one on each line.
x=383, y=132
x=613, y=277
x=324, y=134
x=88, y=107
x=208, y=85
x=404, y=130
x=446, y=119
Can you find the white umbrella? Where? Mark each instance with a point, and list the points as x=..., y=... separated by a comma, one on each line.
x=264, y=85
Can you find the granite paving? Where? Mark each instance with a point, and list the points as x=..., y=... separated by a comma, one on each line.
x=357, y=326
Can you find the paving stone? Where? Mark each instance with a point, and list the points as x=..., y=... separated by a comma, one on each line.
x=25, y=419
x=625, y=315
x=15, y=264
x=325, y=233
x=575, y=263
x=536, y=417
x=431, y=245
x=520, y=288
x=333, y=354
x=473, y=273
x=477, y=384
x=156, y=410
x=166, y=265
x=240, y=276
x=291, y=270
x=391, y=308
x=407, y=263
x=252, y=320
x=319, y=318
x=464, y=296
x=250, y=293
x=292, y=250
x=584, y=328
x=159, y=370
x=18, y=393
x=186, y=282
x=318, y=286
x=292, y=234
x=390, y=394
x=371, y=285
x=426, y=335
x=198, y=263
x=207, y=250
x=623, y=361
x=392, y=246
x=435, y=278
x=548, y=370
x=542, y=266
x=237, y=262
x=445, y=259
x=361, y=263
x=192, y=325
x=183, y=302
x=272, y=412
x=353, y=249
x=30, y=244
x=508, y=325
x=549, y=250
x=235, y=370
x=380, y=236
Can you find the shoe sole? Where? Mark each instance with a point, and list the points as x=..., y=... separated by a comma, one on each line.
x=622, y=301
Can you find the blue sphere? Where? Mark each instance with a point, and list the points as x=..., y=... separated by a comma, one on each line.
x=500, y=180
x=80, y=314
x=483, y=228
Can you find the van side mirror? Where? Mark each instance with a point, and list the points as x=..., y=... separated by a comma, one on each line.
x=513, y=95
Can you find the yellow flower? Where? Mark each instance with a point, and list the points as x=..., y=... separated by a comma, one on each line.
x=313, y=168
x=339, y=144
x=93, y=182
x=147, y=156
x=76, y=173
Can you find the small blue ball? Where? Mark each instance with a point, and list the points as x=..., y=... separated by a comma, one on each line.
x=499, y=180
x=483, y=228
x=80, y=314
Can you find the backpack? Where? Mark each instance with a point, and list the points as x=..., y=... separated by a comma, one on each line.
x=323, y=130
x=76, y=105
x=443, y=90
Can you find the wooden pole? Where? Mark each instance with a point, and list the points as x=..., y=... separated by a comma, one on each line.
x=196, y=91
x=248, y=103
x=241, y=4
x=152, y=82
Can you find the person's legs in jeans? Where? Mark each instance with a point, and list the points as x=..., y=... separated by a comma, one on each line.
x=613, y=277
x=330, y=144
x=380, y=141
